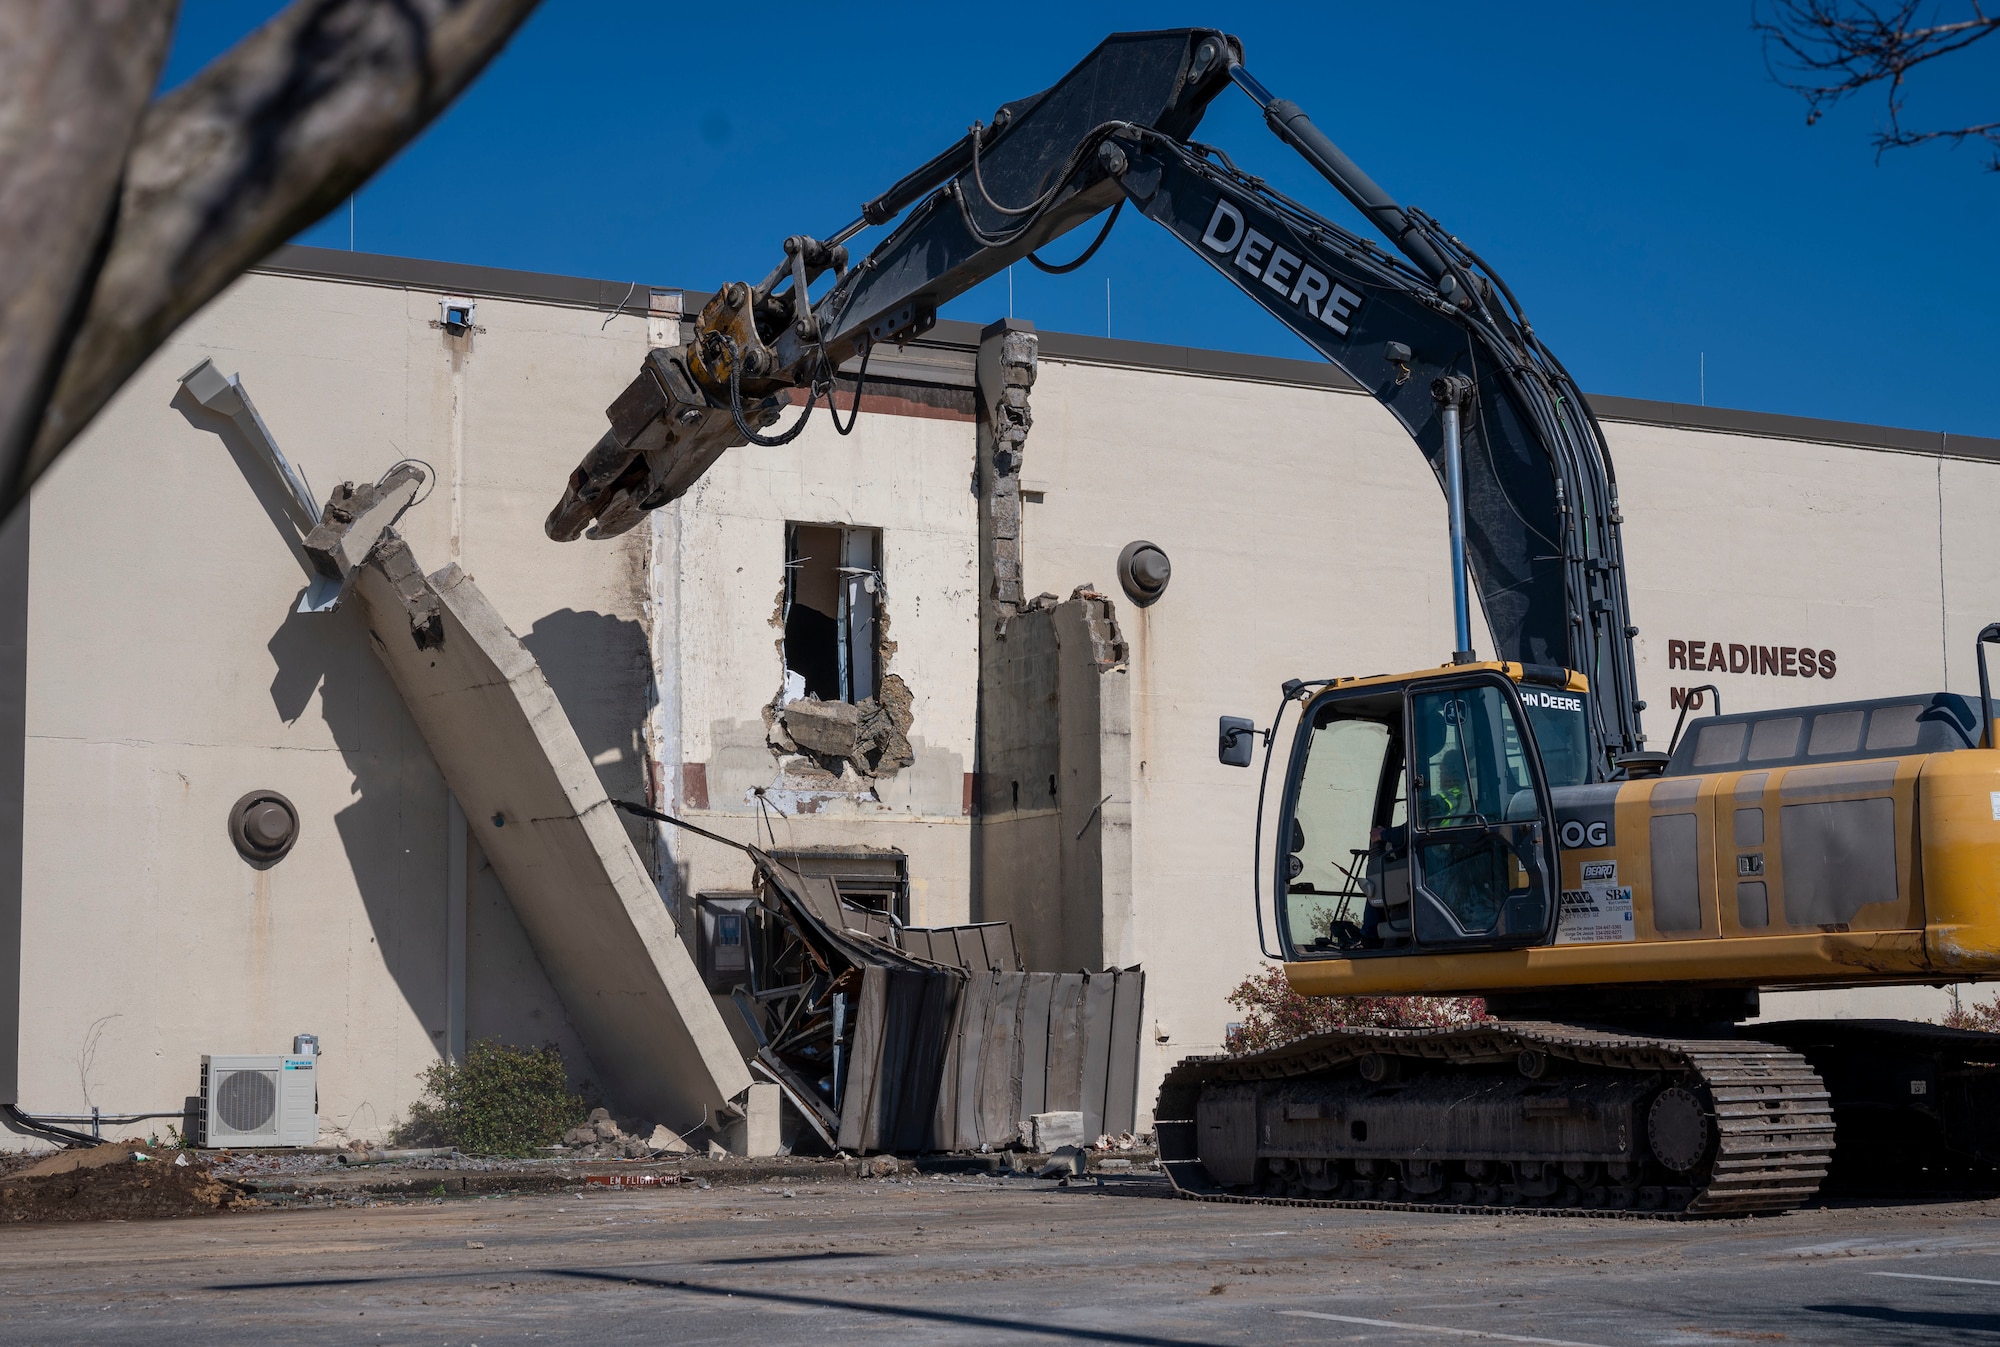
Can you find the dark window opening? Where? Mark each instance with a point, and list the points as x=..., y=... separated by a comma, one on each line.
x=871, y=879
x=833, y=585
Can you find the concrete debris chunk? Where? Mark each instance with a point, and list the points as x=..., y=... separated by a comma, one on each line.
x=873, y=736
x=604, y=1137
x=883, y=736
x=831, y=729
x=755, y=1129
x=355, y=517
x=393, y=558
x=1052, y=1131
x=1067, y=1162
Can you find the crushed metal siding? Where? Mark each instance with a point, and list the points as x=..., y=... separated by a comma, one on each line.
x=986, y=946
x=1027, y=1043
x=946, y=1044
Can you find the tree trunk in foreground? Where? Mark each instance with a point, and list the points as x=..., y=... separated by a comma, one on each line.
x=266, y=140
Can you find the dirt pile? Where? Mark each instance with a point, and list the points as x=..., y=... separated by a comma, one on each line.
x=115, y=1182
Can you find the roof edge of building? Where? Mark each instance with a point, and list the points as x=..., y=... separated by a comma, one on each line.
x=460, y=278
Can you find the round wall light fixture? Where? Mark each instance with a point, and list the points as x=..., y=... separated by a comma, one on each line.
x=1143, y=571
x=263, y=825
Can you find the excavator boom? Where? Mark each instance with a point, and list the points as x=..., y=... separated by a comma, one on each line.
x=1540, y=500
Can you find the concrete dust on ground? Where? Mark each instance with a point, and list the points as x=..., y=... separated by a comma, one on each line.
x=972, y=1259
x=117, y=1181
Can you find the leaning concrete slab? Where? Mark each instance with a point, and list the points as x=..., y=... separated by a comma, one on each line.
x=515, y=765
x=544, y=822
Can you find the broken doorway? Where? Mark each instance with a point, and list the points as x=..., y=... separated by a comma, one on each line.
x=833, y=585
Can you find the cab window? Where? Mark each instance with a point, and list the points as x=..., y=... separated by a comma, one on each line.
x=1469, y=775
x=1557, y=719
x=1469, y=767
x=1349, y=795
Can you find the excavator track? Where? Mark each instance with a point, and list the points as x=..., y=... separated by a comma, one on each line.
x=1917, y=1105
x=1554, y=1119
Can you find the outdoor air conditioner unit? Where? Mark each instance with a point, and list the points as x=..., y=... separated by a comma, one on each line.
x=270, y=1100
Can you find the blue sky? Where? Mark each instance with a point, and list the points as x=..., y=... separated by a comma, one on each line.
x=1632, y=171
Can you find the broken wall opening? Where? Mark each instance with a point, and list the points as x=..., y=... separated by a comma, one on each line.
x=837, y=708
x=833, y=586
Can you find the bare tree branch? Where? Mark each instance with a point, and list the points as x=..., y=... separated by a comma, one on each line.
x=1826, y=50
x=74, y=80
x=265, y=141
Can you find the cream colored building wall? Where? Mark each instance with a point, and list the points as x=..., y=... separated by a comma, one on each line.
x=907, y=476
x=1882, y=557
x=1307, y=540
x=168, y=675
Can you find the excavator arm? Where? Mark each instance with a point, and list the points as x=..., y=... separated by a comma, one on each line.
x=1433, y=334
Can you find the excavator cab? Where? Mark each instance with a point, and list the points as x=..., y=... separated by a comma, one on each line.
x=1417, y=815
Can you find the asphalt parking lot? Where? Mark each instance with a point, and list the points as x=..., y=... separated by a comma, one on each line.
x=974, y=1260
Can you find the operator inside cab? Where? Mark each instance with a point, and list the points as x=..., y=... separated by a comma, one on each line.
x=1389, y=786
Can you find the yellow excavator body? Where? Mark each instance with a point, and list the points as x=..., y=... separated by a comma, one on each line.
x=1928, y=823
x=1441, y=833
x=1941, y=925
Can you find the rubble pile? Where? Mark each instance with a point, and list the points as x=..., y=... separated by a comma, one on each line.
x=602, y=1138
x=119, y=1181
x=1124, y=1141
x=872, y=735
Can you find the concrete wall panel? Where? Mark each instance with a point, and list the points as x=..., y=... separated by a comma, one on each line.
x=575, y=882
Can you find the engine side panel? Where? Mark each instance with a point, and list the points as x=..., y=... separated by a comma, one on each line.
x=1836, y=874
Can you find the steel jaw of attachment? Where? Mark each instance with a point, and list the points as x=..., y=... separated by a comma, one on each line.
x=663, y=436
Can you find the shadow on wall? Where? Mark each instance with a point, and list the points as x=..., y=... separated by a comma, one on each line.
x=601, y=669
x=507, y=991
x=394, y=830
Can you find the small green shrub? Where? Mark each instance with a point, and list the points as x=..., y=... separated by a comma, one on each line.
x=500, y=1101
x=1274, y=1014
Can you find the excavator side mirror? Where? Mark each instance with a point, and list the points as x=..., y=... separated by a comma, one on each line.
x=1235, y=739
x=1987, y=635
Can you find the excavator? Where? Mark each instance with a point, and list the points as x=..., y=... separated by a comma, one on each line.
x=1486, y=827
